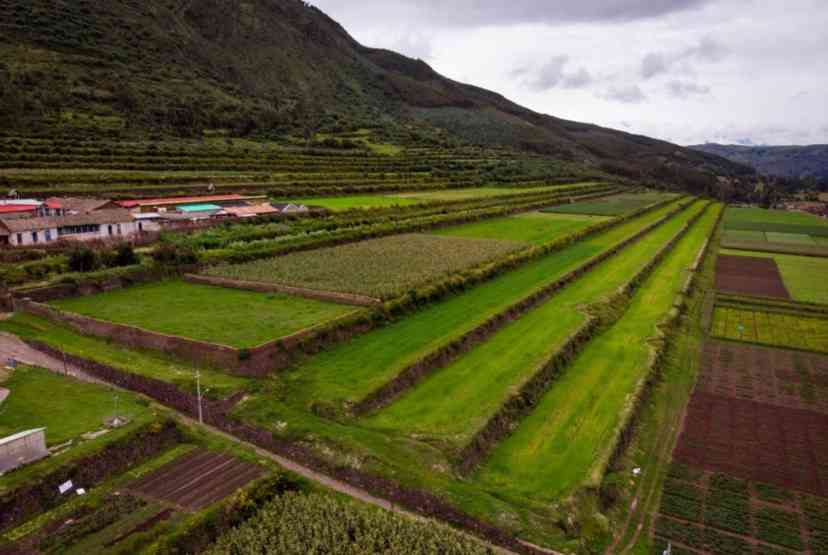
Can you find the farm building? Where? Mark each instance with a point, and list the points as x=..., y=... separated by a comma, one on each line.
x=101, y=225
x=251, y=211
x=24, y=208
x=68, y=206
x=22, y=448
x=172, y=204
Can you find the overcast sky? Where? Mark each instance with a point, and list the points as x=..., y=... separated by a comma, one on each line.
x=689, y=71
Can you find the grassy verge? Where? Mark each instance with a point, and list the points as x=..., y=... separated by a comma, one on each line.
x=455, y=402
x=338, y=204
x=555, y=449
x=237, y=318
x=145, y=363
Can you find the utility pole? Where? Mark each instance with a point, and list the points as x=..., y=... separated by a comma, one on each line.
x=198, y=391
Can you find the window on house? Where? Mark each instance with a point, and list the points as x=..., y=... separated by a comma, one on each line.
x=110, y=229
x=19, y=238
x=119, y=229
x=34, y=236
x=140, y=226
x=48, y=235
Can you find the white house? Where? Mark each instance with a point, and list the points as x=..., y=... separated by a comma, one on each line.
x=99, y=225
x=22, y=448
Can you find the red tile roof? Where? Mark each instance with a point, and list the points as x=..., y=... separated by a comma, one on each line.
x=180, y=200
x=17, y=208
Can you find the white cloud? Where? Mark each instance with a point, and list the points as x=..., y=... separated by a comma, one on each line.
x=630, y=94
x=686, y=89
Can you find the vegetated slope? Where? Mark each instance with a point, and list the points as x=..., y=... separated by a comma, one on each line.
x=781, y=161
x=275, y=65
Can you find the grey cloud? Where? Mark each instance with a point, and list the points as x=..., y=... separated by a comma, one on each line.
x=708, y=50
x=685, y=89
x=631, y=94
x=475, y=13
x=553, y=74
x=414, y=45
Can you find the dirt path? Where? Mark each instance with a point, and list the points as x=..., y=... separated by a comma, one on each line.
x=11, y=346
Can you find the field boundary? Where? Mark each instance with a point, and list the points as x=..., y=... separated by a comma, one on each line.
x=263, y=287
x=520, y=404
x=413, y=374
x=776, y=248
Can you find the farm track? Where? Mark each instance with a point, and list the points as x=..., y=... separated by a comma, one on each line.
x=512, y=353
x=574, y=428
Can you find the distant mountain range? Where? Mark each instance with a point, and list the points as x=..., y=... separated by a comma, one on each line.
x=781, y=161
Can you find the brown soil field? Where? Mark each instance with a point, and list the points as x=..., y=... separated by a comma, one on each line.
x=744, y=275
x=196, y=479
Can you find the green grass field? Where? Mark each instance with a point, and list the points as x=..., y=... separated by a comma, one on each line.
x=771, y=328
x=65, y=407
x=152, y=364
x=612, y=206
x=456, y=401
x=804, y=276
x=477, y=192
x=338, y=204
x=774, y=221
x=352, y=370
x=381, y=268
x=555, y=450
x=534, y=227
x=236, y=318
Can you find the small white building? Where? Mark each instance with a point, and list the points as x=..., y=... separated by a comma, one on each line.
x=99, y=225
x=22, y=448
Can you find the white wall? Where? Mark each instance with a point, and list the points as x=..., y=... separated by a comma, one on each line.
x=127, y=230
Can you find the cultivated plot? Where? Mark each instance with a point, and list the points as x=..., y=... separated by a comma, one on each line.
x=611, y=206
x=478, y=192
x=743, y=275
x=534, y=227
x=804, y=276
x=380, y=268
x=236, y=318
x=779, y=329
x=338, y=204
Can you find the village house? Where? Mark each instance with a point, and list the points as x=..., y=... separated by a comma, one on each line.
x=67, y=206
x=100, y=225
x=22, y=208
x=162, y=205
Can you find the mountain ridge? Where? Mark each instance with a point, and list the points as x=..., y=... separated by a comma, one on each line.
x=792, y=161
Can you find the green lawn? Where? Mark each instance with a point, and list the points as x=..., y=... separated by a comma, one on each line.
x=338, y=204
x=804, y=276
x=556, y=449
x=534, y=227
x=152, y=364
x=774, y=221
x=456, y=401
x=352, y=370
x=236, y=318
x=611, y=206
x=477, y=192
x=382, y=268
x=65, y=407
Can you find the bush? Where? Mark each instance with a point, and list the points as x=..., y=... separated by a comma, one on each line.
x=124, y=255
x=83, y=259
x=172, y=255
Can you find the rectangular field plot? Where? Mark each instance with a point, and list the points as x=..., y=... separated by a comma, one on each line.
x=756, y=441
x=773, y=376
x=380, y=268
x=775, y=221
x=196, y=479
x=804, y=276
x=472, y=193
x=570, y=434
x=771, y=328
x=611, y=206
x=214, y=314
x=742, y=275
x=535, y=227
x=703, y=512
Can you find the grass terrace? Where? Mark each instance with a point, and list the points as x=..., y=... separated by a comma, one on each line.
x=153, y=364
x=804, y=276
x=533, y=227
x=612, y=206
x=477, y=192
x=338, y=204
x=456, y=401
x=232, y=317
x=380, y=268
x=572, y=430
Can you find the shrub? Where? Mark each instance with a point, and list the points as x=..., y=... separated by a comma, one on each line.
x=83, y=259
x=172, y=255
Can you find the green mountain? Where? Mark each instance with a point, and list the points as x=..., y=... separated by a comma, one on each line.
x=178, y=67
x=782, y=161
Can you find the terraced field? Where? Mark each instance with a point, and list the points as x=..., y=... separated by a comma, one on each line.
x=353, y=370
x=569, y=436
x=456, y=401
x=612, y=206
x=533, y=227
